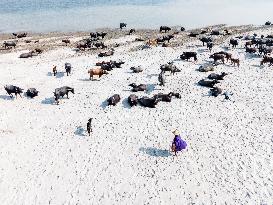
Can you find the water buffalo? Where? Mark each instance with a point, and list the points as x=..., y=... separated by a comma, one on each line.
x=189, y=55
x=136, y=88
x=21, y=35
x=214, y=76
x=61, y=92
x=234, y=43
x=38, y=50
x=68, y=68
x=163, y=97
x=268, y=23
x=265, y=50
x=267, y=59
x=101, y=34
x=28, y=55
x=66, y=41
x=132, y=100
x=97, y=71
x=32, y=92
x=164, y=28
x=215, y=91
x=205, y=40
x=182, y=29
x=206, y=68
x=217, y=57
x=208, y=83
x=194, y=35
x=132, y=30
x=148, y=102
x=226, y=54
x=9, y=44
x=13, y=89
x=235, y=61
x=210, y=46
x=169, y=67
x=100, y=45
x=108, y=53
x=137, y=69
x=122, y=25
x=162, y=78
x=113, y=100
x=251, y=50
x=168, y=38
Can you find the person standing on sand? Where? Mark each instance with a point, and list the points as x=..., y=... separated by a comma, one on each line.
x=178, y=144
x=89, y=128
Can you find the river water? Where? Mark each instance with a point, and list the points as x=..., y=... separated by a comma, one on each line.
x=87, y=15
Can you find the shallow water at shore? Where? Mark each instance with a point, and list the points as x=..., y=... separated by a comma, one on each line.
x=86, y=15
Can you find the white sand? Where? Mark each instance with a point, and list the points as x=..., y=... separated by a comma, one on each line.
x=46, y=156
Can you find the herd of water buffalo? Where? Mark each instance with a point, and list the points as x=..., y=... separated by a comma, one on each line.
x=253, y=44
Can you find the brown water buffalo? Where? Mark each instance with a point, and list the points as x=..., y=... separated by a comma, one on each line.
x=227, y=55
x=113, y=100
x=235, y=61
x=97, y=71
x=217, y=57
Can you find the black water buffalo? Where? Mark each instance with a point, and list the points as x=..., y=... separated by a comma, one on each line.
x=8, y=44
x=136, y=88
x=61, y=92
x=66, y=41
x=169, y=67
x=101, y=34
x=227, y=55
x=189, y=55
x=251, y=50
x=137, y=69
x=148, y=102
x=208, y=83
x=68, y=68
x=21, y=35
x=164, y=28
x=193, y=34
x=234, y=43
x=122, y=25
x=132, y=100
x=132, y=30
x=100, y=45
x=268, y=23
x=13, y=89
x=168, y=38
x=162, y=79
x=215, y=91
x=113, y=100
x=163, y=97
x=182, y=29
x=209, y=45
x=32, y=92
x=205, y=40
x=214, y=76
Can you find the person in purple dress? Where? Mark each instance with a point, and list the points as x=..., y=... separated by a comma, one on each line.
x=178, y=144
